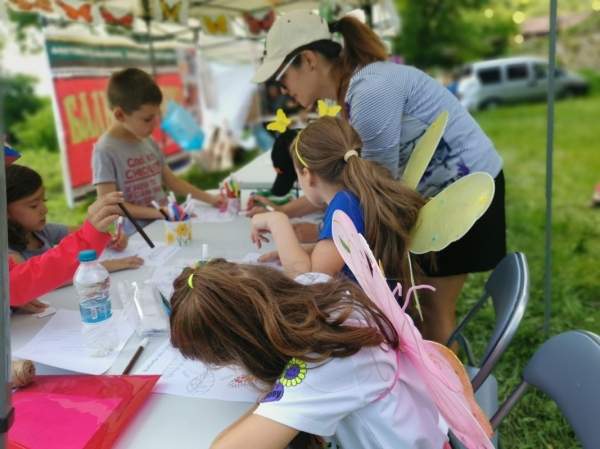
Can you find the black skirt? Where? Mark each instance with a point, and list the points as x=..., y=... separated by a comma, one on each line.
x=481, y=249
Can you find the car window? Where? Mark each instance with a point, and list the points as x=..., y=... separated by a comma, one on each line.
x=541, y=71
x=489, y=76
x=516, y=72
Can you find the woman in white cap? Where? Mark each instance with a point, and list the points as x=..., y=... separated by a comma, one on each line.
x=391, y=106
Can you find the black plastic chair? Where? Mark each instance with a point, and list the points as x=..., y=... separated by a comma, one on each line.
x=508, y=288
x=567, y=369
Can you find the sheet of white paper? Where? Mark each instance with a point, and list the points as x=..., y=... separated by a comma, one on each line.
x=182, y=377
x=59, y=343
x=153, y=257
x=252, y=258
x=205, y=213
x=163, y=277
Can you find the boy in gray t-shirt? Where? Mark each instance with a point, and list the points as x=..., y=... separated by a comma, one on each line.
x=127, y=159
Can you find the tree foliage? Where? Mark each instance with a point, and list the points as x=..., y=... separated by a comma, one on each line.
x=19, y=98
x=447, y=33
x=37, y=130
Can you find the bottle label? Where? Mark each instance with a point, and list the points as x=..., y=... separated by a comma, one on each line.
x=95, y=310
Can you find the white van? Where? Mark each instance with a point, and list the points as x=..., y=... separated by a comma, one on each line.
x=490, y=83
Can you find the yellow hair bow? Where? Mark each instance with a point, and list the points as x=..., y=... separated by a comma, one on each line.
x=281, y=122
x=327, y=110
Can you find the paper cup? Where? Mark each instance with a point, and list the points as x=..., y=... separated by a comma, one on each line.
x=233, y=206
x=178, y=232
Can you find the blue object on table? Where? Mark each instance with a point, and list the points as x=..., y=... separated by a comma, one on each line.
x=181, y=126
x=10, y=155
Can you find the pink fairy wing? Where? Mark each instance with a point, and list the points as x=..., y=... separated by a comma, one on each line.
x=451, y=394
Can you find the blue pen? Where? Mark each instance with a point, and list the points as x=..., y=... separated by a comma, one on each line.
x=165, y=303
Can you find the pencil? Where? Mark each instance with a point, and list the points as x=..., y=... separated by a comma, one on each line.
x=136, y=356
x=136, y=225
x=158, y=208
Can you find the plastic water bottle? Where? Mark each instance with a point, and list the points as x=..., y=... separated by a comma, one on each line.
x=92, y=283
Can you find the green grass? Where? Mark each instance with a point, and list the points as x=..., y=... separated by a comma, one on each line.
x=519, y=133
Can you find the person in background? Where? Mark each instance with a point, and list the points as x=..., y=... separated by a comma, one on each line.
x=126, y=157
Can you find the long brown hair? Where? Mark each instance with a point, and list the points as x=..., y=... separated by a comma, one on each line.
x=361, y=47
x=258, y=318
x=390, y=209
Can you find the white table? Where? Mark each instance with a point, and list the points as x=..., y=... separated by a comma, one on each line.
x=257, y=174
x=163, y=421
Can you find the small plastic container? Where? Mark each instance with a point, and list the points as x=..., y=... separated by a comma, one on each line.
x=178, y=232
x=234, y=205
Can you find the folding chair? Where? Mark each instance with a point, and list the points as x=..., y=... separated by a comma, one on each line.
x=508, y=287
x=567, y=369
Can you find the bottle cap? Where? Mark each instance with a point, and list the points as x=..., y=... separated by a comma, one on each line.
x=87, y=255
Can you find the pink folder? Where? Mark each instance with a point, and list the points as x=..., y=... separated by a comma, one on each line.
x=76, y=412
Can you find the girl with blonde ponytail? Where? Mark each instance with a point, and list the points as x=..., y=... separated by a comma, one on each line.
x=326, y=156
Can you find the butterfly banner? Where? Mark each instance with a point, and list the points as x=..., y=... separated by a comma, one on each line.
x=171, y=10
x=43, y=6
x=215, y=25
x=114, y=16
x=259, y=25
x=76, y=10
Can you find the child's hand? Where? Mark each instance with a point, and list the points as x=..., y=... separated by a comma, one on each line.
x=271, y=256
x=306, y=232
x=258, y=204
x=32, y=307
x=119, y=242
x=260, y=227
x=218, y=201
x=105, y=210
x=124, y=263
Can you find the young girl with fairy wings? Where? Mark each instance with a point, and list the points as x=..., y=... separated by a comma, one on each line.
x=326, y=156
x=333, y=361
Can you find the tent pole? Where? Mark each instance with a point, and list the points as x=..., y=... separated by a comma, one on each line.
x=6, y=410
x=549, y=168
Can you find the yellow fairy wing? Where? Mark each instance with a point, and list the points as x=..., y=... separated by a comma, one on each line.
x=325, y=109
x=423, y=152
x=281, y=122
x=451, y=213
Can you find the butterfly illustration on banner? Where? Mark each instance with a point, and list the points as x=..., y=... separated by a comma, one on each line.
x=436, y=366
x=116, y=17
x=171, y=10
x=215, y=25
x=78, y=11
x=256, y=26
x=281, y=122
x=328, y=109
x=31, y=5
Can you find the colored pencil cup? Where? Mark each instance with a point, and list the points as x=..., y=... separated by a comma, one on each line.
x=234, y=205
x=178, y=232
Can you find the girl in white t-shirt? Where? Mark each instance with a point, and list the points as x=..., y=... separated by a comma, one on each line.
x=324, y=352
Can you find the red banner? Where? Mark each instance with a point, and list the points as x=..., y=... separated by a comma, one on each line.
x=85, y=116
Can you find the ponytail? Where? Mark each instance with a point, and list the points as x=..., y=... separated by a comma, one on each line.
x=330, y=148
x=361, y=47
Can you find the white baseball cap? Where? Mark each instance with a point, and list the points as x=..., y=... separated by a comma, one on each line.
x=289, y=32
